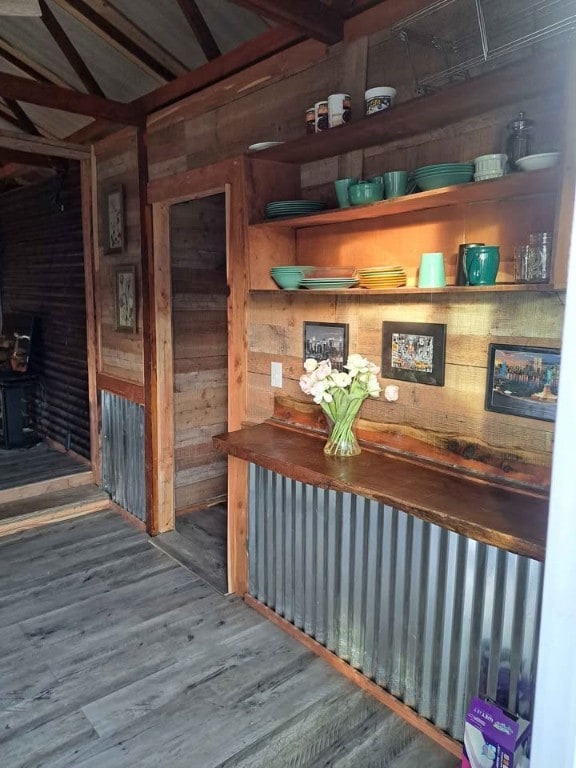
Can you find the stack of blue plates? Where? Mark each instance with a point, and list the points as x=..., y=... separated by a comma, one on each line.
x=280, y=208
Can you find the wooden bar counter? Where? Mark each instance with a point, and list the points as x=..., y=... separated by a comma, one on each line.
x=501, y=516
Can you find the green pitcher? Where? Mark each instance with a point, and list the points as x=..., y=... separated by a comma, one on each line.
x=481, y=264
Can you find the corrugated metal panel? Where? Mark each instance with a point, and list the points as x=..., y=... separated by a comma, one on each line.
x=123, y=469
x=431, y=616
x=42, y=274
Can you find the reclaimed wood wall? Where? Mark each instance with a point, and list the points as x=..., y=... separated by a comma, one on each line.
x=42, y=273
x=200, y=348
x=120, y=353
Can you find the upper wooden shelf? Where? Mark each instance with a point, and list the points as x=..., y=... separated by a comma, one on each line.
x=500, y=516
x=521, y=80
x=515, y=185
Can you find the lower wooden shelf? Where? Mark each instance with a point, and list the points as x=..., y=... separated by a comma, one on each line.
x=503, y=517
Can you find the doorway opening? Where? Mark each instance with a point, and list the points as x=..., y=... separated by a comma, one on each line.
x=198, y=252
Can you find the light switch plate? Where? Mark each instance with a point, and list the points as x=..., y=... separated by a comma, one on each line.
x=276, y=375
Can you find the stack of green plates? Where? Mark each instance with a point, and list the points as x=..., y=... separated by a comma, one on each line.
x=280, y=208
x=443, y=175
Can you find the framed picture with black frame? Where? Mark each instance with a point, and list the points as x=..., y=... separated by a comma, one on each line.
x=523, y=381
x=113, y=235
x=326, y=341
x=414, y=352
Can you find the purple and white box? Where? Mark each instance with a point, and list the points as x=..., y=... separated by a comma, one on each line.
x=493, y=739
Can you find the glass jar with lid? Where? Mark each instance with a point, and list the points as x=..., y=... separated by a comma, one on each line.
x=519, y=139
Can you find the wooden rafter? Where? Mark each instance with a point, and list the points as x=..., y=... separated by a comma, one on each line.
x=311, y=17
x=29, y=66
x=265, y=45
x=47, y=95
x=7, y=115
x=121, y=34
x=68, y=49
x=38, y=145
x=25, y=158
x=22, y=118
x=200, y=28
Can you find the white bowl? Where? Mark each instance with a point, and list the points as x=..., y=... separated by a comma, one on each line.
x=537, y=162
x=486, y=163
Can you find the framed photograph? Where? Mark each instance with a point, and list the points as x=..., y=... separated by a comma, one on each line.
x=523, y=381
x=113, y=237
x=414, y=352
x=326, y=341
x=125, y=298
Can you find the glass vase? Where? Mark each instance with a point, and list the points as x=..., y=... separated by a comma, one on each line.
x=342, y=440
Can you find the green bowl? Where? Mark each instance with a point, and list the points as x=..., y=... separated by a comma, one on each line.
x=443, y=180
x=365, y=192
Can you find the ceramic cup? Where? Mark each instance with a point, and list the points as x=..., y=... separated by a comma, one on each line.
x=341, y=186
x=395, y=184
x=481, y=264
x=432, y=273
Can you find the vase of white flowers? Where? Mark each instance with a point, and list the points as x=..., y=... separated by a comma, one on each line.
x=340, y=394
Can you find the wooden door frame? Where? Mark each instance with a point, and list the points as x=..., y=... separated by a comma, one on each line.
x=226, y=177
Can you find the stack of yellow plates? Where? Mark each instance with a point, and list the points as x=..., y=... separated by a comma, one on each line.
x=382, y=277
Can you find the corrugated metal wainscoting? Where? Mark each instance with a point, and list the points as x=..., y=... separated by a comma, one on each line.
x=123, y=474
x=431, y=616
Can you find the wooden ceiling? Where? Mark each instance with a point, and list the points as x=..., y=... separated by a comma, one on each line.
x=72, y=69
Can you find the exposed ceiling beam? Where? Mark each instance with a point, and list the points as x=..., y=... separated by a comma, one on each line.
x=200, y=28
x=66, y=46
x=125, y=37
x=26, y=158
x=265, y=45
x=311, y=17
x=46, y=95
x=22, y=118
x=7, y=115
x=41, y=146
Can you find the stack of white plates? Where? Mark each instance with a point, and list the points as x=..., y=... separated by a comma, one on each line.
x=280, y=208
x=382, y=277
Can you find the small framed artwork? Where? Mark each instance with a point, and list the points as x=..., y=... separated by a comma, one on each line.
x=523, y=381
x=326, y=341
x=125, y=298
x=113, y=236
x=414, y=352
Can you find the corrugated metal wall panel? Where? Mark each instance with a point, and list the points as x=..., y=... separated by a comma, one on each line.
x=431, y=616
x=123, y=468
x=42, y=273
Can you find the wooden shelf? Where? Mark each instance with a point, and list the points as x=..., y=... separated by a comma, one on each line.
x=521, y=80
x=513, y=186
x=496, y=515
x=409, y=291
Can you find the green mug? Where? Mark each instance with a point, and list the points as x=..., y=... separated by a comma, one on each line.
x=342, y=186
x=481, y=264
x=395, y=184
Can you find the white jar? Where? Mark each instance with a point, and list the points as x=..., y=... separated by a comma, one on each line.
x=379, y=99
x=339, y=109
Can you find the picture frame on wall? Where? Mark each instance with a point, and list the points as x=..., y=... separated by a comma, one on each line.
x=326, y=341
x=125, y=304
x=113, y=234
x=414, y=352
x=523, y=381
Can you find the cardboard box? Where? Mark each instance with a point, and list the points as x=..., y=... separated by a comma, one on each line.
x=494, y=738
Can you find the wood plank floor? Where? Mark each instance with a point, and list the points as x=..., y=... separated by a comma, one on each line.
x=113, y=656
x=21, y=466
x=199, y=543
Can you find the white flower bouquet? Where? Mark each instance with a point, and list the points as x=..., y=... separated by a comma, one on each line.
x=340, y=394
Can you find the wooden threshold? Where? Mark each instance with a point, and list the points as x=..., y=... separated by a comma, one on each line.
x=43, y=487
x=370, y=687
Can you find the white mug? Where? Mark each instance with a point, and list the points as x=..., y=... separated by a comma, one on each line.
x=339, y=109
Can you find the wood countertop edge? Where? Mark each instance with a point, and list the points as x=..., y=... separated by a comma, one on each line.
x=492, y=536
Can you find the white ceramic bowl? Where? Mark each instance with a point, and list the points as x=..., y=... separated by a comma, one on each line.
x=486, y=163
x=537, y=162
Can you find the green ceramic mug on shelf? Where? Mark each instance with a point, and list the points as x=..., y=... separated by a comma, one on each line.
x=481, y=264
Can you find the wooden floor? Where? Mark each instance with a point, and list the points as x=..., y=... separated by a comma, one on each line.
x=21, y=466
x=199, y=543
x=113, y=656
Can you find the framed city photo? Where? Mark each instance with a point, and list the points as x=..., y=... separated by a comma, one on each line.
x=523, y=381
x=414, y=352
x=125, y=298
x=326, y=341
x=113, y=238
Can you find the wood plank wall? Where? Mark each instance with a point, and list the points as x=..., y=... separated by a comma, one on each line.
x=269, y=103
x=200, y=346
x=42, y=273
x=120, y=354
